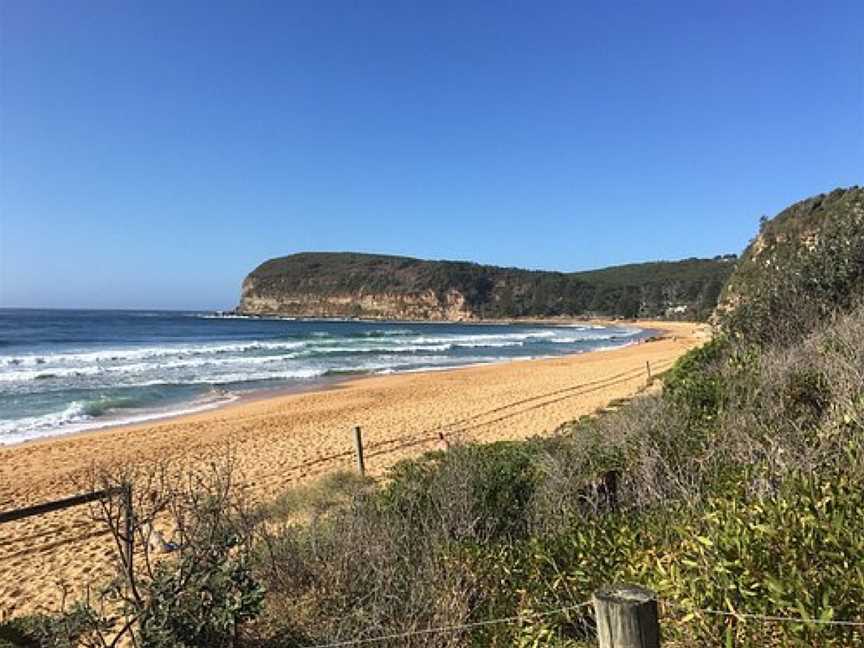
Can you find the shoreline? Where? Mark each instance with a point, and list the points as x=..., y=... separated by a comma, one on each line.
x=325, y=383
x=320, y=385
x=278, y=441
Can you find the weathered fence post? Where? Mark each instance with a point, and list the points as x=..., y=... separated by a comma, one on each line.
x=626, y=617
x=358, y=446
x=648, y=367
x=129, y=530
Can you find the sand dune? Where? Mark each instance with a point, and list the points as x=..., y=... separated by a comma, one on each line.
x=281, y=440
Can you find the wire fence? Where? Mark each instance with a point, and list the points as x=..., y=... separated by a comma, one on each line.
x=534, y=616
x=75, y=531
x=459, y=429
x=450, y=628
x=743, y=616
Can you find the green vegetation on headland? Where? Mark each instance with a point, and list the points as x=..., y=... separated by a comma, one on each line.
x=369, y=285
x=739, y=488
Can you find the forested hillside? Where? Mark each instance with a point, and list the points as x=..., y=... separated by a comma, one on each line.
x=366, y=285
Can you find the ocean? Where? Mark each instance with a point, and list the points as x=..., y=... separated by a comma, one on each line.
x=64, y=371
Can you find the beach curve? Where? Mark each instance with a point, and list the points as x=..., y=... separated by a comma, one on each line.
x=286, y=439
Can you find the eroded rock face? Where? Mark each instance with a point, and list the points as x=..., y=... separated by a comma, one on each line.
x=425, y=305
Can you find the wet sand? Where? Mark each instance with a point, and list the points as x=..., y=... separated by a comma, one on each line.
x=284, y=439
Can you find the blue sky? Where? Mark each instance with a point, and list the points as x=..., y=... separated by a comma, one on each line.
x=152, y=153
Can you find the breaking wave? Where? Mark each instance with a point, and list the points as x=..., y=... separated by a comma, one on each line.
x=58, y=386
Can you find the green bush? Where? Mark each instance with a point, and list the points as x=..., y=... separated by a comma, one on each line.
x=199, y=595
x=335, y=490
x=796, y=555
x=482, y=491
x=695, y=383
x=20, y=632
x=201, y=601
x=741, y=481
x=552, y=573
x=80, y=625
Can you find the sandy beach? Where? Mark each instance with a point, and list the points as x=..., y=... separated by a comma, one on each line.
x=285, y=439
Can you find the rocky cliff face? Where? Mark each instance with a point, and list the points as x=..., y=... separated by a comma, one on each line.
x=328, y=284
x=423, y=305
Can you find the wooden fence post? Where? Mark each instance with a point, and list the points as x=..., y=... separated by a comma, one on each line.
x=648, y=367
x=627, y=617
x=129, y=530
x=358, y=446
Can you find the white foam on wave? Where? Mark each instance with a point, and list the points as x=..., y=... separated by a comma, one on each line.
x=143, y=353
x=75, y=419
x=487, y=339
x=122, y=365
x=613, y=347
x=232, y=316
x=405, y=348
x=575, y=339
x=46, y=373
x=237, y=377
x=490, y=344
x=590, y=335
x=127, y=372
x=316, y=355
x=73, y=413
x=388, y=332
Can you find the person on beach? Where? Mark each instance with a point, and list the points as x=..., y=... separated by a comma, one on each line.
x=442, y=444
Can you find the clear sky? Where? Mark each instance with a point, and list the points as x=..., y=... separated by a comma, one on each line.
x=152, y=153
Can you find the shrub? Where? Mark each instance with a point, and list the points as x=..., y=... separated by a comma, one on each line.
x=332, y=491
x=806, y=395
x=197, y=596
x=569, y=473
x=477, y=492
x=695, y=384
x=202, y=599
x=79, y=625
x=796, y=555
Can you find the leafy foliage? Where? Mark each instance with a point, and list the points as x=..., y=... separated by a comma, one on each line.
x=794, y=555
x=695, y=383
x=201, y=601
x=77, y=626
x=740, y=492
x=495, y=485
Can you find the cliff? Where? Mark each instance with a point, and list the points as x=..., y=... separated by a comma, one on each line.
x=315, y=284
x=805, y=263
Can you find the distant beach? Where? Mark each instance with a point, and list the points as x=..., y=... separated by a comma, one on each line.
x=281, y=440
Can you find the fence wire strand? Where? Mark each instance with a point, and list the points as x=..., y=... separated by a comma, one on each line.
x=514, y=619
x=453, y=628
x=764, y=617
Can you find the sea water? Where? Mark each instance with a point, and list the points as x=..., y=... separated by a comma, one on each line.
x=63, y=371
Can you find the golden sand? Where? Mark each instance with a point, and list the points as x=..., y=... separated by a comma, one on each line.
x=281, y=440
